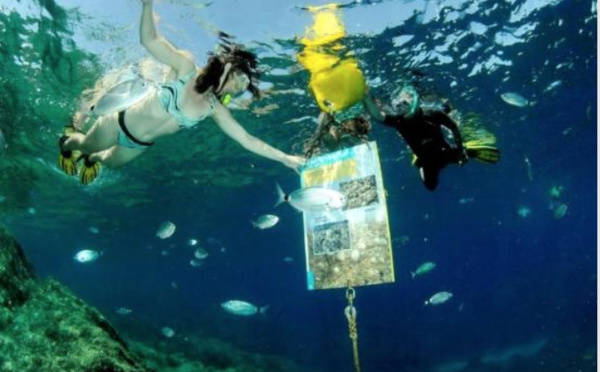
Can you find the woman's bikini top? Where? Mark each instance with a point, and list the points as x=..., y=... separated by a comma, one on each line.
x=169, y=94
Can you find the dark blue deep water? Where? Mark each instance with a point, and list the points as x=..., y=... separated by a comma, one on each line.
x=521, y=285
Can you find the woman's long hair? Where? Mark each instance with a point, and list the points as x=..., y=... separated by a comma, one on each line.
x=241, y=60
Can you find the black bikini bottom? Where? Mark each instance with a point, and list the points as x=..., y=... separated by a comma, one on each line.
x=129, y=137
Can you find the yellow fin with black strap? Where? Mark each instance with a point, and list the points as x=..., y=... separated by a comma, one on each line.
x=67, y=162
x=486, y=154
x=89, y=171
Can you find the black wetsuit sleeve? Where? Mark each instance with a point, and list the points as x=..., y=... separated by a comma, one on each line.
x=373, y=109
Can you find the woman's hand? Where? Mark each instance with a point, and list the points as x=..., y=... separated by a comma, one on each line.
x=294, y=162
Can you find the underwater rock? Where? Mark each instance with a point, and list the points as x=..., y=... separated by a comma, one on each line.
x=206, y=354
x=44, y=327
x=16, y=278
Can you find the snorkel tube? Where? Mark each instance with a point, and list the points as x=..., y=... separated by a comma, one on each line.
x=226, y=99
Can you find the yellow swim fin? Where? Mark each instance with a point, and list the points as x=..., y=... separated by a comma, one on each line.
x=67, y=160
x=89, y=171
x=486, y=154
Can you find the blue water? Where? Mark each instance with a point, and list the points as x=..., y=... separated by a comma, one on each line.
x=515, y=279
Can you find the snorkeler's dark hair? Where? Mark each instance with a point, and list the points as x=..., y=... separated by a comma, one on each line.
x=241, y=60
x=210, y=75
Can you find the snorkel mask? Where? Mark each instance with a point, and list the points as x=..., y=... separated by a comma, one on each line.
x=238, y=64
x=406, y=101
x=241, y=82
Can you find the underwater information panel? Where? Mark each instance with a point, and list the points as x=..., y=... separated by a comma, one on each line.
x=351, y=245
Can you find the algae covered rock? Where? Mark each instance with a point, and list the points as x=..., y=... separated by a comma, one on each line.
x=44, y=327
x=16, y=274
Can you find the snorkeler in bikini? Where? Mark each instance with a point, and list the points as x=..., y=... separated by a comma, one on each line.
x=120, y=137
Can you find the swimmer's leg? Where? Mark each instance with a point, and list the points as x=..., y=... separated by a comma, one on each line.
x=101, y=136
x=116, y=156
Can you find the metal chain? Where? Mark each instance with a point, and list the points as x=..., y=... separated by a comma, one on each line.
x=350, y=313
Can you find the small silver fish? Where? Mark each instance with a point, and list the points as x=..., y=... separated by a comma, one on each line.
x=86, y=255
x=523, y=211
x=424, y=268
x=94, y=230
x=165, y=230
x=243, y=308
x=556, y=191
x=439, y=298
x=560, y=211
x=200, y=253
x=123, y=311
x=515, y=99
x=265, y=221
x=195, y=262
x=466, y=200
x=553, y=85
x=168, y=332
x=123, y=95
x=528, y=168
x=313, y=199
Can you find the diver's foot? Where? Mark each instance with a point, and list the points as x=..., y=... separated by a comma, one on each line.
x=89, y=171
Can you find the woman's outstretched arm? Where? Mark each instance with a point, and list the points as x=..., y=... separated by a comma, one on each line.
x=234, y=130
x=158, y=46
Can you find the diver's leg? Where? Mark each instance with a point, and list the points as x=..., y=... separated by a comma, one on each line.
x=101, y=136
x=430, y=176
x=116, y=156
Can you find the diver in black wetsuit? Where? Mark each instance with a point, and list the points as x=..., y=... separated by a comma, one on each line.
x=420, y=124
